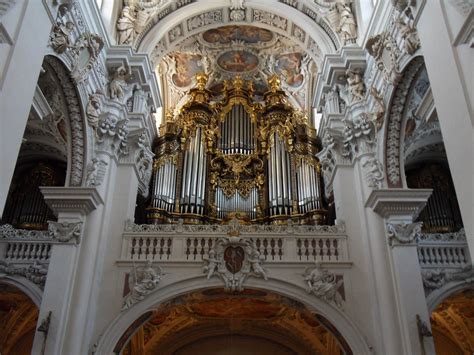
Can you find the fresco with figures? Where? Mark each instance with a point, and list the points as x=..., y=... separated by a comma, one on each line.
x=187, y=65
x=237, y=61
x=227, y=34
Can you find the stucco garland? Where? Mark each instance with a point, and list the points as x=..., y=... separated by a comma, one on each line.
x=76, y=122
x=393, y=134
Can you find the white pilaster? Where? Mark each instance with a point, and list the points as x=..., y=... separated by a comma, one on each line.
x=399, y=207
x=71, y=205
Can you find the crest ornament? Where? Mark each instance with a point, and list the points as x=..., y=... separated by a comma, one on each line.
x=233, y=259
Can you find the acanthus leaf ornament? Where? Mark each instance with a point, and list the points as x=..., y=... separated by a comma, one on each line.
x=403, y=233
x=373, y=172
x=65, y=232
x=142, y=281
x=234, y=259
x=96, y=172
x=324, y=285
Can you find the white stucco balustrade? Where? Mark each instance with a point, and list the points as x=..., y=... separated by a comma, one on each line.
x=276, y=244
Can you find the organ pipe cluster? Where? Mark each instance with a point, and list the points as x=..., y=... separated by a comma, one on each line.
x=233, y=155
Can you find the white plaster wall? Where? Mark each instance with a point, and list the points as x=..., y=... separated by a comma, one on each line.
x=20, y=74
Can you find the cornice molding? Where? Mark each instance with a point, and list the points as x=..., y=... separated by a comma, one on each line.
x=82, y=200
x=398, y=202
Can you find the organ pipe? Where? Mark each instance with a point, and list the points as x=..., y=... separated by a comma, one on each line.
x=237, y=157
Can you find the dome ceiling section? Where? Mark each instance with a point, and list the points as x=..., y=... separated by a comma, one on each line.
x=253, y=53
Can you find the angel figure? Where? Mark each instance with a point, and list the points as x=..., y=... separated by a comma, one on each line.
x=143, y=281
x=93, y=109
x=210, y=268
x=355, y=84
x=411, y=41
x=255, y=259
x=59, y=37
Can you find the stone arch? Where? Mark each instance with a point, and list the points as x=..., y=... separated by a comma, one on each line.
x=27, y=287
x=77, y=143
x=393, y=132
x=314, y=35
x=19, y=317
x=437, y=296
x=137, y=314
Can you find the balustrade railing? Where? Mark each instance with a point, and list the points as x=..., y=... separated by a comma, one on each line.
x=24, y=246
x=443, y=250
x=276, y=243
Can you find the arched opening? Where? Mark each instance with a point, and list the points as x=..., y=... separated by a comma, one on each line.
x=415, y=153
x=52, y=150
x=213, y=321
x=18, y=318
x=452, y=324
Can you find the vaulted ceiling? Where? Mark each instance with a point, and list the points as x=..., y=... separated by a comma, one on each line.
x=250, y=38
x=218, y=315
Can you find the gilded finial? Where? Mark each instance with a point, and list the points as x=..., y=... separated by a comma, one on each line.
x=275, y=83
x=169, y=115
x=238, y=82
x=251, y=88
x=201, y=80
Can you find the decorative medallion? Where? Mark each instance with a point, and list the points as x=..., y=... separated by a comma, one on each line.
x=237, y=61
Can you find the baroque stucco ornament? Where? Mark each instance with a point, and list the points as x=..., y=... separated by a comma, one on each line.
x=65, y=232
x=96, y=172
x=324, y=285
x=233, y=259
x=142, y=281
x=436, y=278
x=36, y=272
x=403, y=233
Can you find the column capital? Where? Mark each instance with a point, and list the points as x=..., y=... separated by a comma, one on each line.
x=80, y=200
x=401, y=205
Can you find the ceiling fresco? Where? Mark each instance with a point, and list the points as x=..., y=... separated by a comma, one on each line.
x=214, y=312
x=223, y=52
x=247, y=34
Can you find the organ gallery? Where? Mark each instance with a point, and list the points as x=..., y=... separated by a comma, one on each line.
x=235, y=153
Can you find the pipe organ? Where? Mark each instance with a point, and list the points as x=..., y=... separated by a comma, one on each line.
x=233, y=155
